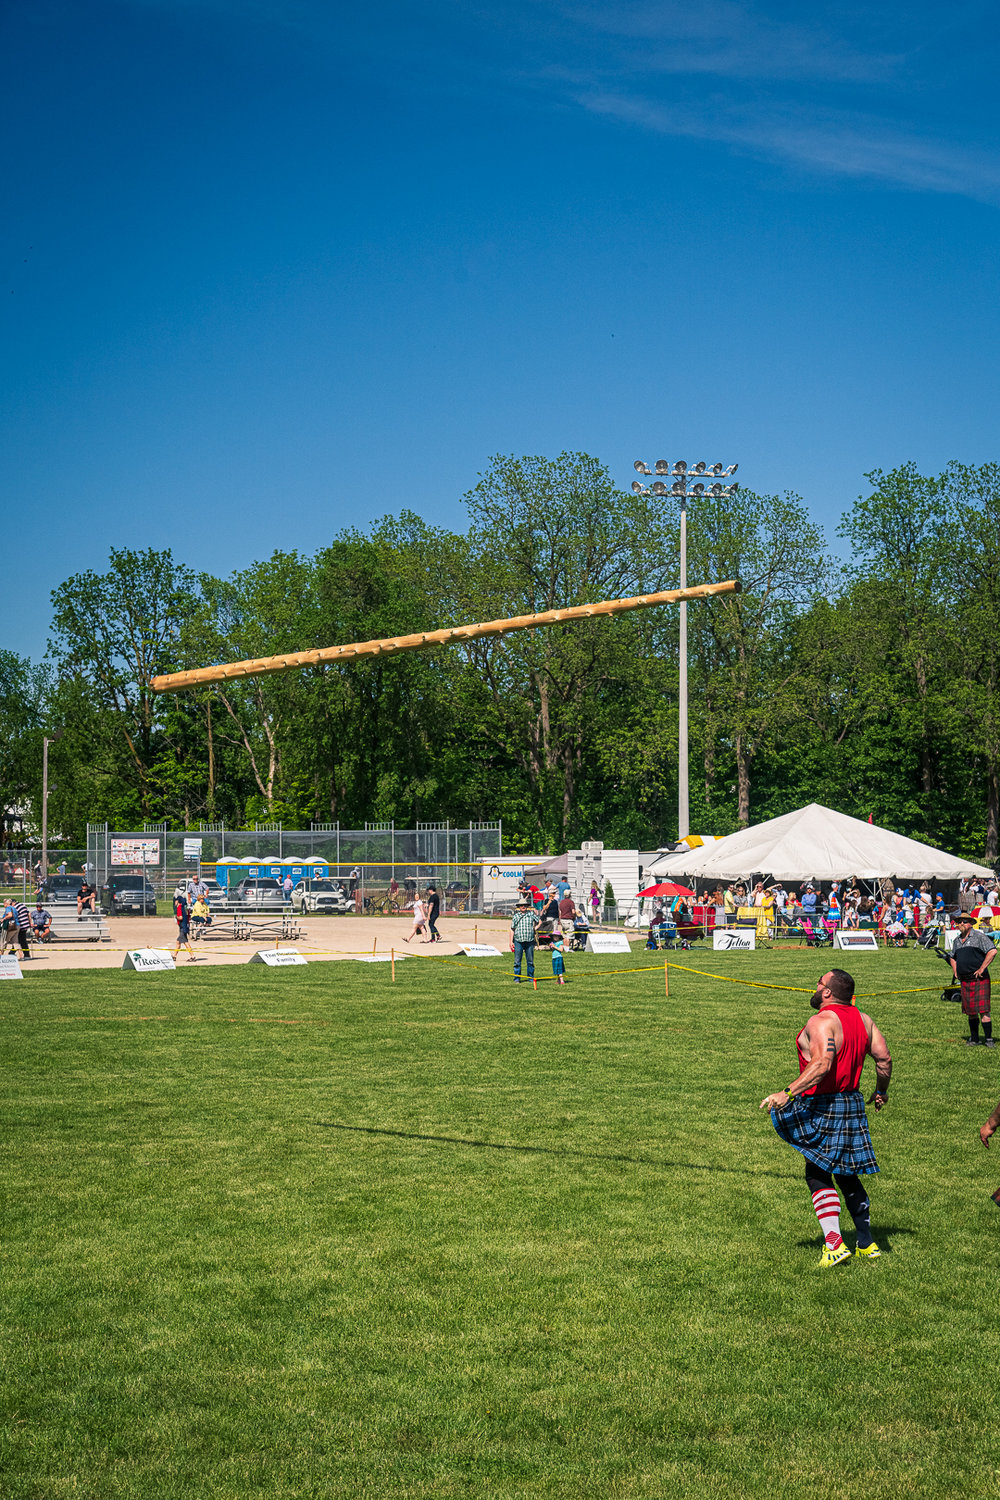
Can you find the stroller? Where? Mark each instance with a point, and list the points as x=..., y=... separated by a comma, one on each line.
x=929, y=938
x=951, y=991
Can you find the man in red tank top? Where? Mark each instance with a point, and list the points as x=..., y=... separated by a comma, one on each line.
x=822, y=1114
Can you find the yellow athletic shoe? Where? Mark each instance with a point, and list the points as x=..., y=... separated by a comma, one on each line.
x=834, y=1257
x=868, y=1252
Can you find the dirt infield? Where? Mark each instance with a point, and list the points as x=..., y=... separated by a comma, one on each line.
x=324, y=938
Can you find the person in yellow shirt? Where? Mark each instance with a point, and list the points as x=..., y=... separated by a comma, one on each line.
x=765, y=921
x=729, y=906
x=201, y=916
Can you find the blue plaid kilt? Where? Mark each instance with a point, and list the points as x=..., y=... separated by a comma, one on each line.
x=830, y=1130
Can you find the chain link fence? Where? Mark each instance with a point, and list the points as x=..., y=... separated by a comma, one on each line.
x=21, y=870
x=380, y=866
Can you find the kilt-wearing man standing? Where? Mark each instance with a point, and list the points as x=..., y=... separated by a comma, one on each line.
x=971, y=955
x=822, y=1114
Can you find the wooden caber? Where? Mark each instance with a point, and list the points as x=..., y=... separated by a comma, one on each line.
x=200, y=676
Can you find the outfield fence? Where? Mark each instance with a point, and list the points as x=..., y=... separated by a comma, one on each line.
x=379, y=866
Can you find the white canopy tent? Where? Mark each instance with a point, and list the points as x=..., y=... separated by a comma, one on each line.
x=815, y=843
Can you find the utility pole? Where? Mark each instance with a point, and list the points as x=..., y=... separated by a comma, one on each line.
x=47, y=740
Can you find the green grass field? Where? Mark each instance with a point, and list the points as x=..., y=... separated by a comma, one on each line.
x=308, y=1233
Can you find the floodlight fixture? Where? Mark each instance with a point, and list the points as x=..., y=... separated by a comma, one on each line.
x=680, y=467
x=677, y=488
x=662, y=466
x=731, y=470
x=699, y=468
x=658, y=488
x=698, y=489
x=641, y=468
x=639, y=490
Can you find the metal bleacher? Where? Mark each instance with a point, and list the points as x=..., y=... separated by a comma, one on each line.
x=67, y=927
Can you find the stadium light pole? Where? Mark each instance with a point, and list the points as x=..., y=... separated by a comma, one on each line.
x=47, y=740
x=699, y=480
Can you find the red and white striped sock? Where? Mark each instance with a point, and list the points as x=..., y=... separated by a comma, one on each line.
x=826, y=1202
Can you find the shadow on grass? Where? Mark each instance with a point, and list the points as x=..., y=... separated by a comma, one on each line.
x=880, y=1235
x=640, y=1161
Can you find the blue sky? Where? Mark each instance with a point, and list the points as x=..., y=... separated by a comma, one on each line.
x=273, y=270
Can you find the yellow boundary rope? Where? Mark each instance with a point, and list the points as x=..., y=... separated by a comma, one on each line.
x=441, y=958
x=703, y=973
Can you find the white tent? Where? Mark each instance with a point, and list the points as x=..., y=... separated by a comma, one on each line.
x=815, y=843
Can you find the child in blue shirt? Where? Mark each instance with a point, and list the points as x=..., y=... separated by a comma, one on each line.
x=558, y=963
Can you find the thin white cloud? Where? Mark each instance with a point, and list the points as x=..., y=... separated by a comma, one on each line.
x=836, y=88
x=847, y=145
x=841, y=87
x=733, y=39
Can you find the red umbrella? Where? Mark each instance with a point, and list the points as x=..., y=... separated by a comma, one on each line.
x=667, y=889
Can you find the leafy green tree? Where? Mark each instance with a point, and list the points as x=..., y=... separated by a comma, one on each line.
x=874, y=689
x=24, y=698
x=114, y=632
x=749, y=684
x=969, y=559
x=547, y=534
x=896, y=533
x=381, y=743
x=262, y=610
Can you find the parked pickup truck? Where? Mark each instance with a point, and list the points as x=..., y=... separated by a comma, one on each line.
x=128, y=896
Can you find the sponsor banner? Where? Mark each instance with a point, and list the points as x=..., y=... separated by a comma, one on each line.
x=9, y=967
x=863, y=942
x=192, y=851
x=135, y=851
x=730, y=939
x=480, y=950
x=608, y=942
x=148, y=960
x=277, y=958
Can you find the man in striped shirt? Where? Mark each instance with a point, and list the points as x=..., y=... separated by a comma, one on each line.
x=522, y=930
x=16, y=915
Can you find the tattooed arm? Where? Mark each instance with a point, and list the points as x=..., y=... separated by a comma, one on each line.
x=821, y=1036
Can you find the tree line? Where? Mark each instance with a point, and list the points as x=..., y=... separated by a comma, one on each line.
x=866, y=683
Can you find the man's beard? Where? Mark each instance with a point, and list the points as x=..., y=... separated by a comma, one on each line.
x=816, y=999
